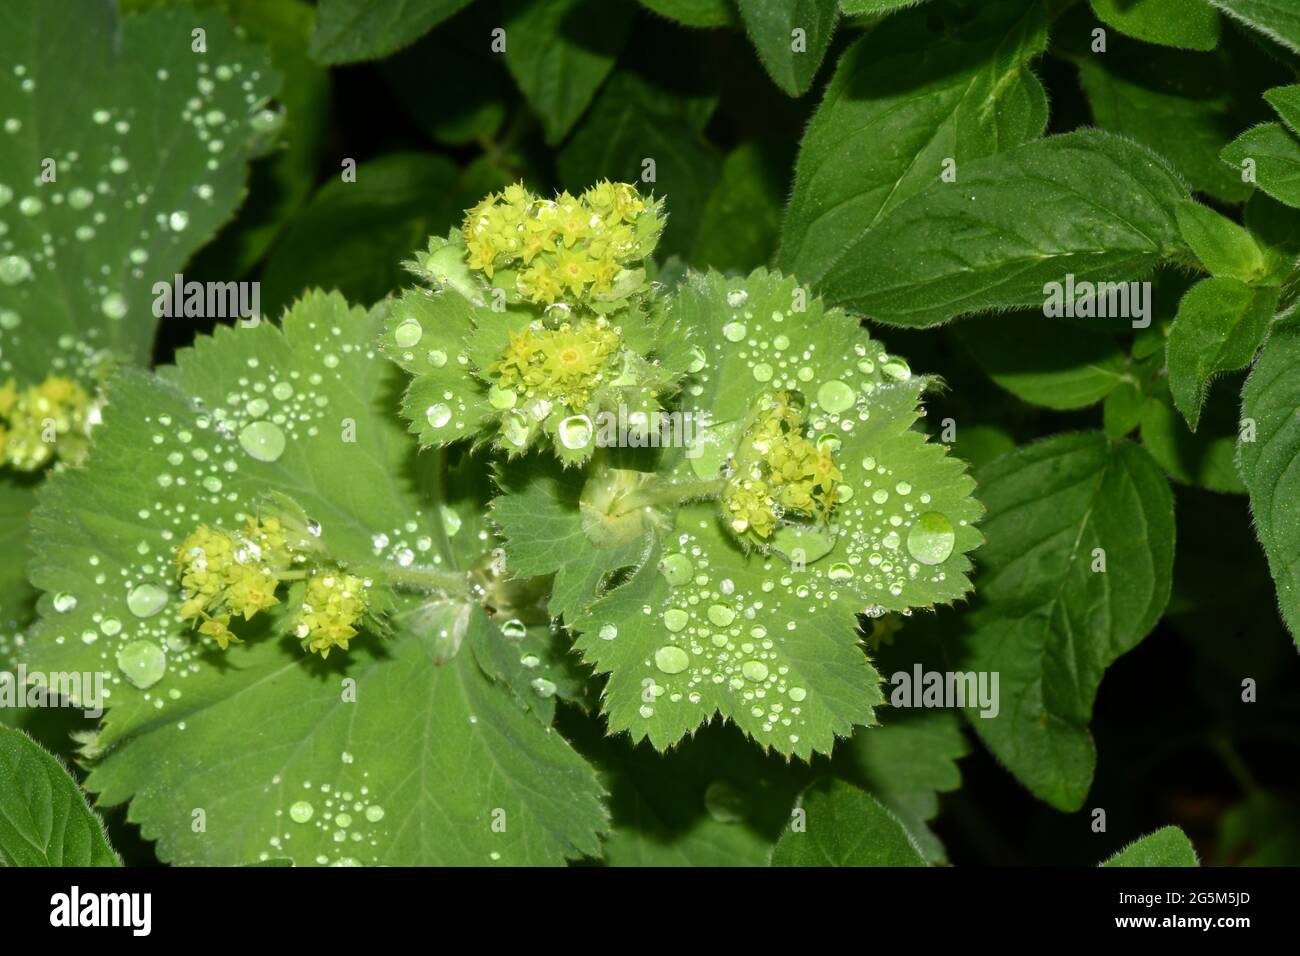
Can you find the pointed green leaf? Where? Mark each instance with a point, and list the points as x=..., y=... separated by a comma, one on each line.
x=560, y=51
x=1220, y=324
x=694, y=13
x=1204, y=458
x=1286, y=101
x=791, y=37
x=1088, y=204
x=1045, y=620
x=1168, y=846
x=873, y=143
x=752, y=192
x=1271, y=405
x=855, y=7
x=1279, y=20
x=1045, y=362
x=845, y=826
x=419, y=739
x=1187, y=24
x=44, y=819
x=906, y=764
x=1270, y=156
x=348, y=31
x=1224, y=248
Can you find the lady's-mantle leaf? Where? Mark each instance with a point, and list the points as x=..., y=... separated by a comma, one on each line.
x=1088, y=204
x=44, y=819
x=149, y=141
x=1270, y=463
x=746, y=606
x=402, y=750
x=845, y=826
x=1077, y=569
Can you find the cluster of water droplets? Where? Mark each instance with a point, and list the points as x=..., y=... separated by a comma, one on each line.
x=110, y=189
x=725, y=635
x=342, y=820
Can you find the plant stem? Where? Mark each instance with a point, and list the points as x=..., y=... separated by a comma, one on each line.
x=429, y=579
x=672, y=493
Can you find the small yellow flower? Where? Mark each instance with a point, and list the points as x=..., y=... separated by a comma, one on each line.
x=562, y=365
x=784, y=472
x=218, y=628
x=333, y=605
x=252, y=590
x=44, y=420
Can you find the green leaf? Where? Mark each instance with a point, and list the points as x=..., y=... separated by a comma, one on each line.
x=1086, y=204
x=634, y=121
x=845, y=826
x=906, y=764
x=1270, y=155
x=742, y=218
x=1262, y=830
x=560, y=52
x=856, y=7
x=352, y=235
x=1187, y=24
x=1185, y=106
x=1168, y=846
x=1279, y=20
x=1204, y=458
x=1219, y=327
x=695, y=13
x=1271, y=401
x=714, y=800
x=121, y=110
x=1045, y=362
x=1286, y=101
x=44, y=819
x=702, y=626
x=348, y=31
x=1044, y=619
x=541, y=518
x=791, y=37
x=874, y=142
x=426, y=747
x=1224, y=248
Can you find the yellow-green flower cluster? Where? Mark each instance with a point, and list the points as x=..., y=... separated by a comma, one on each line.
x=561, y=365
x=229, y=575
x=780, y=472
x=39, y=421
x=567, y=249
x=333, y=605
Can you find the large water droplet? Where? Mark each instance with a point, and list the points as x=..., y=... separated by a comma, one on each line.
x=931, y=538
x=301, y=812
x=262, y=440
x=146, y=600
x=575, y=432
x=143, y=663
x=14, y=269
x=675, y=619
x=64, y=602
x=734, y=331
x=835, y=397
x=754, y=670
x=676, y=569
x=721, y=615
x=543, y=687
x=671, y=660
x=608, y=632
x=408, y=333
x=438, y=415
